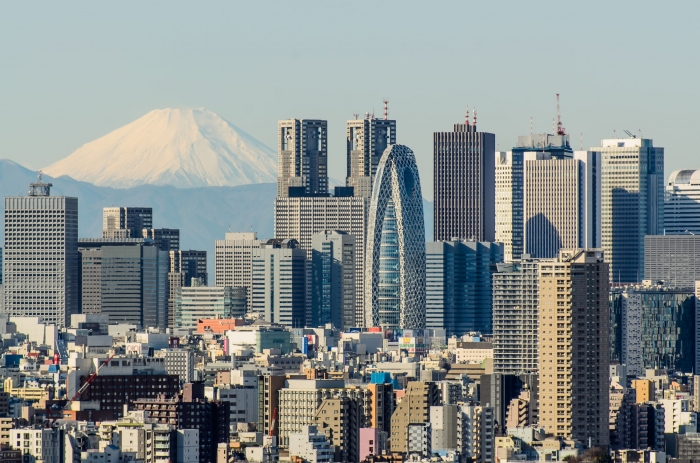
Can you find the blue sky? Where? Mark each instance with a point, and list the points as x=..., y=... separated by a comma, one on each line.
x=71, y=72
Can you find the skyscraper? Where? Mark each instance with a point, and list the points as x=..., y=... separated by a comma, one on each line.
x=673, y=259
x=516, y=317
x=510, y=186
x=302, y=157
x=464, y=184
x=632, y=201
x=126, y=278
x=125, y=222
x=367, y=139
x=682, y=203
x=279, y=283
x=395, y=259
x=458, y=285
x=561, y=202
x=233, y=261
x=41, y=255
x=302, y=217
x=184, y=266
x=333, y=279
x=166, y=239
x=574, y=346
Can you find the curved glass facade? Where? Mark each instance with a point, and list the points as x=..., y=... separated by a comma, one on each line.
x=395, y=259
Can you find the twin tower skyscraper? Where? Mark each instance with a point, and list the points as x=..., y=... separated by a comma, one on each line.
x=381, y=206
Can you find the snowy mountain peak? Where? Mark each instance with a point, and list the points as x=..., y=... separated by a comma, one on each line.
x=185, y=148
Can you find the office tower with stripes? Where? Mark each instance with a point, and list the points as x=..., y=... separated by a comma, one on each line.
x=41, y=276
x=302, y=157
x=464, y=186
x=682, y=203
x=366, y=141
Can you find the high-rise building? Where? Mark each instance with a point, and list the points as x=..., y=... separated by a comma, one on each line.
x=233, y=261
x=395, y=259
x=184, y=266
x=574, y=346
x=367, y=139
x=279, y=283
x=333, y=279
x=682, y=203
x=166, y=239
x=561, y=202
x=516, y=317
x=653, y=326
x=413, y=408
x=198, y=302
x=673, y=259
x=464, y=184
x=300, y=218
x=509, y=173
x=302, y=157
x=125, y=278
x=126, y=222
x=41, y=276
x=458, y=289
x=632, y=203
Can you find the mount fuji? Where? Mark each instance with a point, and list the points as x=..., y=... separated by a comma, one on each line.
x=184, y=148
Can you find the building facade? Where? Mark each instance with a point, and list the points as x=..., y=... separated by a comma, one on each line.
x=41, y=275
x=464, y=184
x=682, y=203
x=366, y=141
x=395, y=258
x=632, y=203
x=516, y=317
x=199, y=302
x=233, y=261
x=574, y=346
x=165, y=239
x=672, y=259
x=279, y=283
x=184, y=266
x=333, y=265
x=300, y=218
x=302, y=157
x=126, y=222
x=458, y=289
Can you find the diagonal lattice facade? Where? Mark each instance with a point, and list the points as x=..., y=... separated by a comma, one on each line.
x=395, y=250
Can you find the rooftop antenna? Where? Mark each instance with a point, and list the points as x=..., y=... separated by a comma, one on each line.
x=474, y=118
x=630, y=134
x=367, y=115
x=640, y=133
x=614, y=133
x=466, y=116
x=560, y=128
x=356, y=115
x=581, y=148
x=530, y=128
x=386, y=110
x=553, y=126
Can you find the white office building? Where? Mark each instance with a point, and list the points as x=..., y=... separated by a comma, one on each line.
x=682, y=203
x=310, y=445
x=41, y=256
x=233, y=261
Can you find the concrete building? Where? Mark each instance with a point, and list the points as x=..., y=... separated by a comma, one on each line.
x=184, y=265
x=509, y=173
x=413, y=408
x=279, y=283
x=395, y=290
x=341, y=417
x=300, y=218
x=419, y=440
x=682, y=203
x=233, y=261
x=333, y=285
x=673, y=259
x=476, y=433
x=198, y=302
x=372, y=442
x=574, y=346
x=381, y=406
x=464, y=184
x=41, y=229
x=679, y=416
x=653, y=326
x=125, y=222
x=561, y=202
x=366, y=141
x=443, y=420
x=125, y=278
x=302, y=157
x=178, y=362
x=516, y=317
x=458, y=289
x=269, y=387
x=310, y=445
x=38, y=445
x=632, y=202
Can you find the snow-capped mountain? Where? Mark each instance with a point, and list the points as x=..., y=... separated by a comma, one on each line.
x=184, y=148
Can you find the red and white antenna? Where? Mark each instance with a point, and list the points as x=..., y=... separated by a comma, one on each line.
x=530, y=128
x=356, y=115
x=386, y=109
x=560, y=128
x=474, y=118
x=466, y=116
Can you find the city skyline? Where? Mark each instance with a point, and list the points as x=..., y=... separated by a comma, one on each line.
x=140, y=78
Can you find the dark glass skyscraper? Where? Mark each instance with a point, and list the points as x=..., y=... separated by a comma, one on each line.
x=464, y=184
